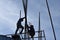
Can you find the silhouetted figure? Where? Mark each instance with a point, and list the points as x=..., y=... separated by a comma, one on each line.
x=19, y=25
x=31, y=30
x=16, y=37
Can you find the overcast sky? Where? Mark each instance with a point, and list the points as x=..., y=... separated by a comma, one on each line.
x=9, y=15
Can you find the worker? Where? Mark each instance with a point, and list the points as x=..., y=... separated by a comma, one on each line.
x=19, y=25
x=31, y=30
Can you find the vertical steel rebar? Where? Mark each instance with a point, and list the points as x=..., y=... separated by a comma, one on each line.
x=25, y=10
x=51, y=19
x=44, y=35
x=39, y=28
x=20, y=13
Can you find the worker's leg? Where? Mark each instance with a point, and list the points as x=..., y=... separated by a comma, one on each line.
x=16, y=30
x=21, y=30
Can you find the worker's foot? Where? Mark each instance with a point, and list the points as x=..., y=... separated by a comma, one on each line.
x=20, y=32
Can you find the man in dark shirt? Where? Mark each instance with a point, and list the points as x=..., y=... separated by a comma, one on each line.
x=31, y=30
x=19, y=25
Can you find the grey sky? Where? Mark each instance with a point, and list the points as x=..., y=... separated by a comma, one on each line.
x=9, y=15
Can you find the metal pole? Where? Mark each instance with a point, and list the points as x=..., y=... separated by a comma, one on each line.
x=39, y=22
x=25, y=10
x=20, y=13
x=51, y=20
x=44, y=35
x=39, y=28
x=33, y=38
